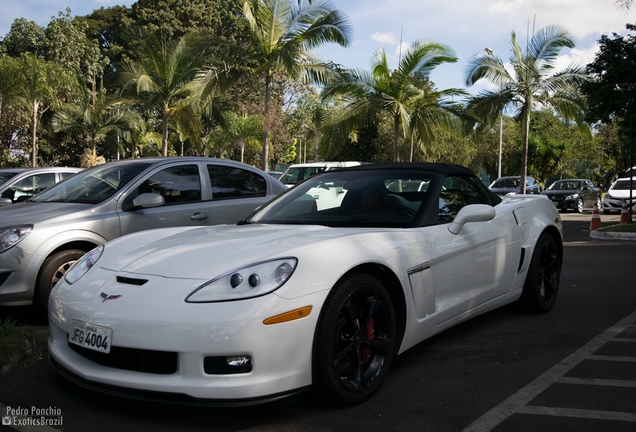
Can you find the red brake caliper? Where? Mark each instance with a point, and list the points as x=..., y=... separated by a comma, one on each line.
x=368, y=332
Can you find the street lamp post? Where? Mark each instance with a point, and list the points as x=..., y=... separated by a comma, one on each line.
x=630, y=88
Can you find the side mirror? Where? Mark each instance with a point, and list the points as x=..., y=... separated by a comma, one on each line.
x=5, y=202
x=471, y=213
x=146, y=200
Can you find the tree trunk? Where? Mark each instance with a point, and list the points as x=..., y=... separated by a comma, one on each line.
x=242, y=144
x=396, y=135
x=265, y=154
x=164, y=135
x=524, y=153
x=34, y=138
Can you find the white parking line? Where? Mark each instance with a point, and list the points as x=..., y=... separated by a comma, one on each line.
x=518, y=402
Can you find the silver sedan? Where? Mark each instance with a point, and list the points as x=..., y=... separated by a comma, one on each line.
x=42, y=237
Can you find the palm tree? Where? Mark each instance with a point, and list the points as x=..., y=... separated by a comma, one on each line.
x=405, y=94
x=41, y=78
x=96, y=116
x=284, y=33
x=240, y=128
x=624, y=4
x=532, y=82
x=167, y=73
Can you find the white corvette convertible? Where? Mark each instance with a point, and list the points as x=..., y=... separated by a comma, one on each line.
x=320, y=288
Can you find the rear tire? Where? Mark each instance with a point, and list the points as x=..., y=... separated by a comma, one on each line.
x=53, y=270
x=355, y=340
x=542, y=282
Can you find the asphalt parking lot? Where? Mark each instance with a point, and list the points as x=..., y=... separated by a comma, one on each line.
x=569, y=370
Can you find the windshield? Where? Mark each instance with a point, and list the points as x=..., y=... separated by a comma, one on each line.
x=506, y=183
x=623, y=185
x=565, y=185
x=93, y=185
x=367, y=198
x=295, y=175
x=6, y=176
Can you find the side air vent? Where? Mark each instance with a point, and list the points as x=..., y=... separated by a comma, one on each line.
x=131, y=281
x=521, y=259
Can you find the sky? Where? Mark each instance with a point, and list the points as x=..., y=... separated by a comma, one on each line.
x=467, y=26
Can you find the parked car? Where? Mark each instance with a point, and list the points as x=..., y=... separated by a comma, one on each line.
x=275, y=174
x=43, y=236
x=512, y=185
x=298, y=172
x=575, y=194
x=617, y=193
x=293, y=297
x=20, y=184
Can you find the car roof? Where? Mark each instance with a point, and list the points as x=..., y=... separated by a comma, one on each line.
x=41, y=169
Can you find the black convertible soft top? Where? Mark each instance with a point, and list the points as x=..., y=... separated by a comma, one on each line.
x=441, y=168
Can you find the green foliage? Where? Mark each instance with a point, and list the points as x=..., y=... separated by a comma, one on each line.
x=404, y=97
x=24, y=37
x=13, y=338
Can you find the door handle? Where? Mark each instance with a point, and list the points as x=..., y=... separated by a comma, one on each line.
x=198, y=216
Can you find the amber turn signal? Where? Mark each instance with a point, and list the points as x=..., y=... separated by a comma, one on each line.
x=289, y=316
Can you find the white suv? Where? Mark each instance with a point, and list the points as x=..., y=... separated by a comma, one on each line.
x=299, y=172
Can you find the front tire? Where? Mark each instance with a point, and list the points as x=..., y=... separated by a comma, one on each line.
x=355, y=340
x=53, y=269
x=580, y=205
x=542, y=282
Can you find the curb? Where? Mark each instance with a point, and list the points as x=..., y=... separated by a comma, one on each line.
x=607, y=235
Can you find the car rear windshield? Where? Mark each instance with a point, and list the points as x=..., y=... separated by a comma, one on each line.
x=295, y=175
x=382, y=198
x=93, y=185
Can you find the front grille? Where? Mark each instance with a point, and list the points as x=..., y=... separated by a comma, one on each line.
x=138, y=360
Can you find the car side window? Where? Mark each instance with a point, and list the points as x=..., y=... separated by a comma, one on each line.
x=176, y=184
x=233, y=182
x=28, y=187
x=457, y=192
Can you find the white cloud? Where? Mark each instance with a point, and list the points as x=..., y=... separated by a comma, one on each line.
x=384, y=38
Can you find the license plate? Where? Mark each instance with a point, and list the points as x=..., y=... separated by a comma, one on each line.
x=91, y=336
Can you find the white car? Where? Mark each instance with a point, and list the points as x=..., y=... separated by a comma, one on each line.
x=296, y=173
x=617, y=193
x=295, y=298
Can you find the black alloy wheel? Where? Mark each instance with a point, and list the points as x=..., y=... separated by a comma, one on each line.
x=355, y=340
x=542, y=282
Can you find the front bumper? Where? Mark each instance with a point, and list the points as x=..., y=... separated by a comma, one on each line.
x=281, y=353
x=615, y=204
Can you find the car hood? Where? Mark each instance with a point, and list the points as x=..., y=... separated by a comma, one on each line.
x=37, y=212
x=560, y=192
x=196, y=253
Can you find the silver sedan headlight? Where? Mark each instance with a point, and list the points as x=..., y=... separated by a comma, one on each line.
x=251, y=281
x=11, y=236
x=83, y=265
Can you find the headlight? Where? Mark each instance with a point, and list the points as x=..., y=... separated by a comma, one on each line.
x=83, y=265
x=572, y=197
x=251, y=281
x=10, y=237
